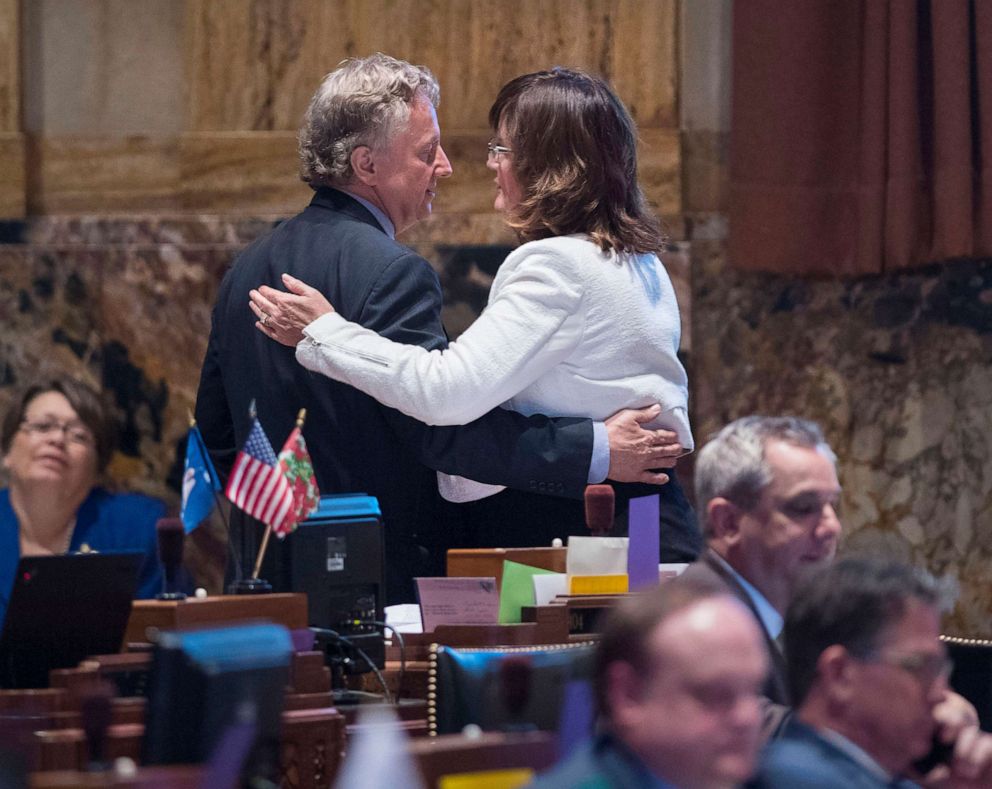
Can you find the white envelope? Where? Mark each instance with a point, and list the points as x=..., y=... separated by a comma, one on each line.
x=596, y=556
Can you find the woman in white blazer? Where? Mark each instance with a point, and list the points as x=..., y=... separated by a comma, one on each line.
x=582, y=318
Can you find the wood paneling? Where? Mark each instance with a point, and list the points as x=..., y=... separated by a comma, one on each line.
x=12, y=175
x=250, y=67
x=233, y=171
x=10, y=90
x=253, y=64
x=12, y=183
x=659, y=169
x=102, y=174
x=256, y=172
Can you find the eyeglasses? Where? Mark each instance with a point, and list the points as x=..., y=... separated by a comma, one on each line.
x=925, y=668
x=74, y=432
x=807, y=504
x=496, y=151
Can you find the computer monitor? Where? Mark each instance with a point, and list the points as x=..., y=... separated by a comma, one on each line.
x=509, y=689
x=336, y=558
x=203, y=682
x=63, y=609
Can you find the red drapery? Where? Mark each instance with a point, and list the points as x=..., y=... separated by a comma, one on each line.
x=861, y=136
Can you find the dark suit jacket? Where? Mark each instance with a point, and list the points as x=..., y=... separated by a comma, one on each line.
x=709, y=568
x=602, y=763
x=337, y=246
x=802, y=759
x=520, y=519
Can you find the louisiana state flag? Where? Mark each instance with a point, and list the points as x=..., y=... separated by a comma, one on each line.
x=200, y=482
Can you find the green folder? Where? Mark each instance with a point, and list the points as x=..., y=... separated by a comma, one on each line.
x=517, y=590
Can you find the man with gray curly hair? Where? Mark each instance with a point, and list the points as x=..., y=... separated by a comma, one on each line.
x=767, y=493
x=353, y=117
x=370, y=148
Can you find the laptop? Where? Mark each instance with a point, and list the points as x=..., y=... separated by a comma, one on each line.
x=63, y=609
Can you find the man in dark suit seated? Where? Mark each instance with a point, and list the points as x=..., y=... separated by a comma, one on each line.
x=767, y=492
x=678, y=675
x=868, y=673
x=370, y=148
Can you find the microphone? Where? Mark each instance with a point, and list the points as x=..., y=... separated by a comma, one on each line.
x=599, y=509
x=97, y=715
x=514, y=683
x=170, y=553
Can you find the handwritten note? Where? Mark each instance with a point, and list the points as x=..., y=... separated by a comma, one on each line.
x=458, y=601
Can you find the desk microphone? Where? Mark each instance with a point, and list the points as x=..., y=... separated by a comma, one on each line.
x=514, y=683
x=170, y=553
x=599, y=509
x=97, y=714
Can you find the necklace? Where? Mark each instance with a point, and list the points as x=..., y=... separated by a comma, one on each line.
x=65, y=543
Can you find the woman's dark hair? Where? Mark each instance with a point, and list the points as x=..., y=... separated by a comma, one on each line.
x=85, y=401
x=574, y=153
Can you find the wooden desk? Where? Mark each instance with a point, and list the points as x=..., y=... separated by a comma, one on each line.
x=488, y=562
x=569, y=617
x=311, y=747
x=182, y=777
x=418, y=650
x=454, y=754
x=289, y=610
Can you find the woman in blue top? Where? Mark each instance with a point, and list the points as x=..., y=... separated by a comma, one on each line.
x=56, y=440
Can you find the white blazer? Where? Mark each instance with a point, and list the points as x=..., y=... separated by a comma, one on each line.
x=569, y=331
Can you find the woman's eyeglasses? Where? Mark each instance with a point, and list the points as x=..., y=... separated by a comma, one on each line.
x=74, y=433
x=496, y=151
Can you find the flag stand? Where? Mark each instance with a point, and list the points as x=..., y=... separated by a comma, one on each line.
x=256, y=585
x=261, y=553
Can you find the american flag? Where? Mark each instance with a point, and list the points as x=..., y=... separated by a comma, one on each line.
x=257, y=485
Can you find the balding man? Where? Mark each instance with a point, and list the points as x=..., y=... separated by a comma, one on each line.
x=678, y=676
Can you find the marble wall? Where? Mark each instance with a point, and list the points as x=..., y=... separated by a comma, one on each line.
x=897, y=369
x=124, y=304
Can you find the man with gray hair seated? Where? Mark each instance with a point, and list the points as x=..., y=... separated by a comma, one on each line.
x=767, y=494
x=868, y=673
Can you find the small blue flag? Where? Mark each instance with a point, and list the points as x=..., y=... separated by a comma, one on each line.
x=200, y=482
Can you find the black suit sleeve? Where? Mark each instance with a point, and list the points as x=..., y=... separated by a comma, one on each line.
x=213, y=414
x=534, y=453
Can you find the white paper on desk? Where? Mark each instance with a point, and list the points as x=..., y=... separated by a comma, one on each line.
x=596, y=556
x=405, y=617
x=668, y=571
x=548, y=587
x=378, y=753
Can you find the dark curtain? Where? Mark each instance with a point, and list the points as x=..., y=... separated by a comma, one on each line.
x=861, y=136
